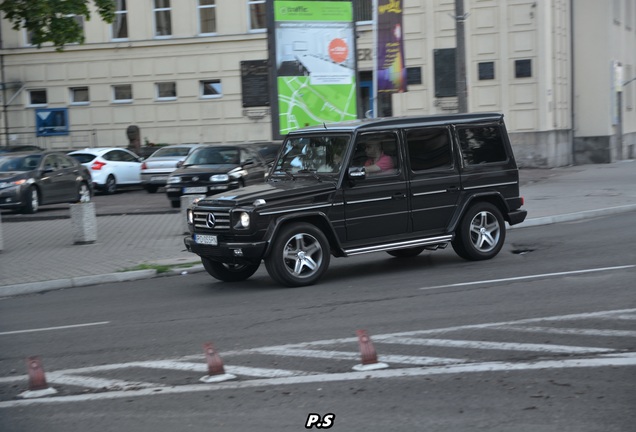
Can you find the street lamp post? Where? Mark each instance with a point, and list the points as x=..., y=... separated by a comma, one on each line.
x=460, y=58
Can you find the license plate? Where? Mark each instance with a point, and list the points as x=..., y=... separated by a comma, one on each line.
x=159, y=178
x=206, y=239
x=196, y=189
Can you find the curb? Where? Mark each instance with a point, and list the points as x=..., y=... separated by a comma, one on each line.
x=572, y=217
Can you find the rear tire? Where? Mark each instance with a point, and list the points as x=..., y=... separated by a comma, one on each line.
x=151, y=188
x=481, y=233
x=299, y=256
x=228, y=272
x=406, y=253
x=111, y=185
x=175, y=204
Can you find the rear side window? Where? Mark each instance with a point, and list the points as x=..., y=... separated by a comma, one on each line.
x=481, y=144
x=172, y=151
x=429, y=148
x=83, y=157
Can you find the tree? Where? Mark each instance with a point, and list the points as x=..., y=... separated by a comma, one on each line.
x=54, y=20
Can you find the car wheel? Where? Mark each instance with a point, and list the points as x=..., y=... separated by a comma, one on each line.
x=111, y=185
x=406, y=253
x=175, y=203
x=151, y=188
x=84, y=193
x=32, y=202
x=227, y=272
x=481, y=233
x=299, y=255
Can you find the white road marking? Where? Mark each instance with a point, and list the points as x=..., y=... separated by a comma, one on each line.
x=95, y=383
x=236, y=370
x=616, y=360
x=568, y=331
x=54, y=328
x=344, y=355
x=538, y=276
x=503, y=346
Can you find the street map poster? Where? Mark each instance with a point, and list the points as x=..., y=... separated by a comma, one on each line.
x=391, y=73
x=314, y=44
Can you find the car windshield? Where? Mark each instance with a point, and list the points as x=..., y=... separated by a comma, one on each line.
x=171, y=152
x=213, y=156
x=319, y=154
x=19, y=163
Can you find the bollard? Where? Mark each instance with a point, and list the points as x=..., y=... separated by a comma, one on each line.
x=84, y=223
x=186, y=201
x=1, y=241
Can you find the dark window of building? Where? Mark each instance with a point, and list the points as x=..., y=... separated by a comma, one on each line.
x=486, y=70
x=413, y=75
x=363, y=10
x=445, y=80
x=523, y=68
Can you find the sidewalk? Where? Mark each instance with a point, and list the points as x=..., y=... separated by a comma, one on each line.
x=40, y=255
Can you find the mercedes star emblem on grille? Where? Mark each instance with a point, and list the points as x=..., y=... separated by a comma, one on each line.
x=210, y=221
x=195, y=179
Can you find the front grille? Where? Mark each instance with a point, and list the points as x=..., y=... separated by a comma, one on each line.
x=221, y=218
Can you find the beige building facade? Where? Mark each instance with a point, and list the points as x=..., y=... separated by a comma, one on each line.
x=174, y=70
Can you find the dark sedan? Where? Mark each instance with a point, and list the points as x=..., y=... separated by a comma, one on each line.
x=214, y=169
x=29, y=180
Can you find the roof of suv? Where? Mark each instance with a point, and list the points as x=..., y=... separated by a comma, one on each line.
x=436, y=119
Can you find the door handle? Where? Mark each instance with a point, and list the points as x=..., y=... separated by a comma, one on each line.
x=398, y=195
x=452, y=189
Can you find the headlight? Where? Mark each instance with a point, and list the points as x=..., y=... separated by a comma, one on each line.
x=219, y=178
x=4, y=185
x=244, y=219
x=174, y=180
x=190, y=215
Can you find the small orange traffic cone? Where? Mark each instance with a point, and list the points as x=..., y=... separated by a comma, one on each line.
x=368, y=355
x=216, y=371
x=37, y=380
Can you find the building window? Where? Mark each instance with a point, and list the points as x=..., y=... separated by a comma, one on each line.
x=211, y=89
x=523, y=68
x=486, y=70
x=120, y=25
x=37, y=97
x=363, y=10
x=445, y=80
x=207, y=17
x=166, y=90
x=163, y=23
x=79, y=95
x=257, y=17
x=122, y=93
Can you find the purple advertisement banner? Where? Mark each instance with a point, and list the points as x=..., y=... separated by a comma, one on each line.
x=391, y=73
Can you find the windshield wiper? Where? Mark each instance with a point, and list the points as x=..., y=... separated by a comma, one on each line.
x=287, y=173
x=312, y=172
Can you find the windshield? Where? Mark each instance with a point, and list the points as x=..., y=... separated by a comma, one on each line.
x=19, y=163
x=213, y=156
x=320, y=154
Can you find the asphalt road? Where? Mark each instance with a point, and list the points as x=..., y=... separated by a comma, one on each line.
x=540, y=338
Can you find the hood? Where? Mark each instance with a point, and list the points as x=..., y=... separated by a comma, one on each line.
x=14, y=175
x=273, y=191
x=204, y=169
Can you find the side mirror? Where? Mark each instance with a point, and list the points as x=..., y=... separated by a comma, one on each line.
x=357, y=173
x=248, y=162
x=179, y=164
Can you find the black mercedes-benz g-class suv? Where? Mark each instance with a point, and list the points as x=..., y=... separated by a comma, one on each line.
x=399, y=185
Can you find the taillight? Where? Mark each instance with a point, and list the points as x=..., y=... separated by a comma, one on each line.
x=143, y=166
x=97, y=165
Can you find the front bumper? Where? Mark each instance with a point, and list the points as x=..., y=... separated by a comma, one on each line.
x=251, y=252
x=12, y=197
x=175, y=191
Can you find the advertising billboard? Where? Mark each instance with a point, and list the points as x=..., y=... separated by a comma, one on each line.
x=315, y=69
x=391, y=73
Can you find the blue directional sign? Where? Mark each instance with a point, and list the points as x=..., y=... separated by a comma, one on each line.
x=51, y=121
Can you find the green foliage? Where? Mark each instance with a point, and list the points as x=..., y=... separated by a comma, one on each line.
x=54, y=20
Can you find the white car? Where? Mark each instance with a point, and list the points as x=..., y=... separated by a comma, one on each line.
x=156, y=168
x=110, y=167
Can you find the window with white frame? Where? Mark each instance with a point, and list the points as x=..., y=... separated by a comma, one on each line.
x=163, y=21
x=37, y=97
x=207, y=16
x=166, y=90
x=257, y=19
x=210, y=89
x=120, y=24
x=122, y=93
x=79, y=95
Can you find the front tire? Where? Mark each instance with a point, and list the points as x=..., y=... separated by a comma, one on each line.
x=175, y=203
x=152, y=188
x=299, y=256
x=32, y=202
x=227, y=272
x=481, y=233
